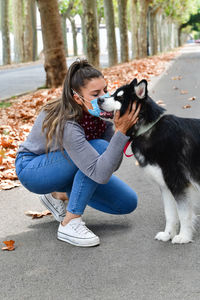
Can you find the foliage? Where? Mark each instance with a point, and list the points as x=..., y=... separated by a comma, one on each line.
x=178, y=10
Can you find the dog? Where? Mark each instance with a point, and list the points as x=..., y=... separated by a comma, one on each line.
x=168, y=148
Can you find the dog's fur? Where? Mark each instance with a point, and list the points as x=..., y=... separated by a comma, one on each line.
x=167, y=147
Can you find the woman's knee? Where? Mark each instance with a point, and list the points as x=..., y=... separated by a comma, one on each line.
x=99, y=145
x=131, y=204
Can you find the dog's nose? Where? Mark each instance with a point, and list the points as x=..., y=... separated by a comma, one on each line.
x=100, y=100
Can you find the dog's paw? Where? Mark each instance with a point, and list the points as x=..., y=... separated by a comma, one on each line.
x=163, y=236
x=181, y=239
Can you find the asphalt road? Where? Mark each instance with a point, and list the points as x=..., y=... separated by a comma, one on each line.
x=23, y=79
x=129, y=264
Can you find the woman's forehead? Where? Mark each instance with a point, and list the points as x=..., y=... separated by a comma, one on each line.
x=96, y=84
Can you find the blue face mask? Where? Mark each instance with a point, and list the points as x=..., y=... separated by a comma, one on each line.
x=95, y=111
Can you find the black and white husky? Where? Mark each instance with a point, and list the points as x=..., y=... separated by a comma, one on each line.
x=168, y=148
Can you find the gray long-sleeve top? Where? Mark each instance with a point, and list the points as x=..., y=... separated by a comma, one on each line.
x=97, y=167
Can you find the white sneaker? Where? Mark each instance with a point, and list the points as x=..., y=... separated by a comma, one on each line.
x=77, y=234
x=56, y=206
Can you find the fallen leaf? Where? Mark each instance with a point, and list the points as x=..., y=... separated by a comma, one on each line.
x=36, y=214
x=9, y=245
x=183, y=92
x=187, y=106
x=160, y=102
x=177, y=78
x=192, y=98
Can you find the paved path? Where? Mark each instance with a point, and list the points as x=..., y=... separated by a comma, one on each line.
x=129, y=264
x=23, y=79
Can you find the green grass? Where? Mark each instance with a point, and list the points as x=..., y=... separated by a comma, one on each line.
x=5, y=104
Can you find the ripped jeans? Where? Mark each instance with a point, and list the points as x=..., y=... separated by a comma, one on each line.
x=42, y=174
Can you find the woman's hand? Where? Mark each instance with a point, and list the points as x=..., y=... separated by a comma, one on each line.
x=127, y=120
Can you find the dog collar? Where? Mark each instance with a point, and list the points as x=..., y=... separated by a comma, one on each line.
x=142, y=130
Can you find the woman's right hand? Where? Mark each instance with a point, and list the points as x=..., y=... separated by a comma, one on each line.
x=128, y=119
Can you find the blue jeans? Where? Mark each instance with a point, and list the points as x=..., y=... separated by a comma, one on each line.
x=42, y=174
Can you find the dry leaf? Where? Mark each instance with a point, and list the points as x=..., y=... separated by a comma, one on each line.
x=183, y=92
x=177, y=78
x=160, y=102
x=9, y=245
x=36, y=214
x=192, y=98
x=187, y=106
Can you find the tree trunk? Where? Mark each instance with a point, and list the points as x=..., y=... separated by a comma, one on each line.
x=55, y=61
x=134, y=29
x=153, y=40
x=28, y=34
x=18, y=30
x=143, y=28
x=92, y=37
x=74, y=35
x=83, y=34
x=64, y=33
x=122, y=11
x=110, y=29
x=34, y=29
x=5, y=32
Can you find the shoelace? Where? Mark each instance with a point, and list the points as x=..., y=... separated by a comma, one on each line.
x=81, y=228
x=59, y=206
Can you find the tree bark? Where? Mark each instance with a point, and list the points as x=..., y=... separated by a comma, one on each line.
x=134, y=29
x=92, y=37
x=55, y=61
x=153, y=39
x=34, y=29
x=83, y=34
x=18, y=30
x=5, y=32
x=143, y=28
x=122, y=11
x=28, y=34
x=110, y=29
x=64, y=33
x=74, y=35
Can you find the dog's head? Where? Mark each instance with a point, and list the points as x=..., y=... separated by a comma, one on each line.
x=126, y=95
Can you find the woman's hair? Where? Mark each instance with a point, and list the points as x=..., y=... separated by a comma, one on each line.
x=66, y=108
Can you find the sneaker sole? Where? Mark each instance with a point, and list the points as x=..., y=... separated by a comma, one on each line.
x=54, y=212
x=64, y=239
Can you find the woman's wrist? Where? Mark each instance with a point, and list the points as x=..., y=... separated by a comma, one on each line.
x=121, y=130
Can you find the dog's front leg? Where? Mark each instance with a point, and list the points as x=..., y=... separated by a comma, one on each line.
x=171, y=215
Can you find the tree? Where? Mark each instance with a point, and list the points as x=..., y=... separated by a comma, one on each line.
x=30, y=34
x=143, y=28
x=5, y=32
x=92, y=37
x=122, y=14
x=18, y=30
x=110, y=29
x=134, y=28
x=65, y=8
x=55, y=62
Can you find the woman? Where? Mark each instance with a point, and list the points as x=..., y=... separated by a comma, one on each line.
x=70, y=149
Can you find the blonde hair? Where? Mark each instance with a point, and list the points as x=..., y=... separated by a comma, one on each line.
x=59, y=111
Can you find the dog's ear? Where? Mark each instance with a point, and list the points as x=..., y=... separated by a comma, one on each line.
x=134, y=82
x=141, y=89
